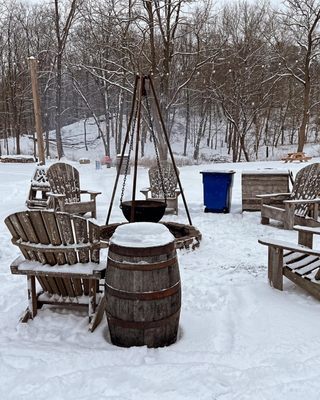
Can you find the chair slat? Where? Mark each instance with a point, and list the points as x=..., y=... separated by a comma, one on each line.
x=62, y=291
x=67, y=236
x=52, y=229
x=41, y=232
x=94, y=237
x=81, y=235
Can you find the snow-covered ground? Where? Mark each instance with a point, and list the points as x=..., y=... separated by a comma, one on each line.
x=238, y=338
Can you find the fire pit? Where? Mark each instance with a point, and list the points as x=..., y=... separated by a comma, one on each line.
x=186, y=236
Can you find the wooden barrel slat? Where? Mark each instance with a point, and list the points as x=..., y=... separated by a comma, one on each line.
x=143, y=295
x=149, y=280
x=143, y=324
x=141, y=267
x=142, y=251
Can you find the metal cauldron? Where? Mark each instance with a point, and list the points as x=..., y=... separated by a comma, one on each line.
x=144, y=210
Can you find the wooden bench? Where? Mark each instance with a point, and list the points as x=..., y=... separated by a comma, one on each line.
x=299, y=156
x=61, y=252
x=298, y=262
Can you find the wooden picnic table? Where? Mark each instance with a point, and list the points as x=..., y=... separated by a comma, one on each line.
x=298, y=156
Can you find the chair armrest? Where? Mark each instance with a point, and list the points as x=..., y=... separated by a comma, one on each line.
x=90, y=192
x=307, y=229
x=20, y=266
x=303, y=201
x=271, y=195
x=56, y=195
x=289, y=246
x=145, y=191
x=58, y=201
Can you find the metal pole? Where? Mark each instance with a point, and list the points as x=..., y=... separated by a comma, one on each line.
x=124, y=146
x=134, y=183
x=33, y=64
x=169, y=147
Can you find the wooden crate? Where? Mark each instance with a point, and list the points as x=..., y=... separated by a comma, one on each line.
x=262, y=182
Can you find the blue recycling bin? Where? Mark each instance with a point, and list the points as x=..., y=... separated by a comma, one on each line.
x=217, y=190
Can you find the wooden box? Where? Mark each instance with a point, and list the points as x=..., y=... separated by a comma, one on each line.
x=262, y=182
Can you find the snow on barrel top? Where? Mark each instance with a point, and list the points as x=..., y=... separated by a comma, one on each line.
x=142, y=234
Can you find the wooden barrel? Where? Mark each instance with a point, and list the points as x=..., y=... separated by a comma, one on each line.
x=143, y=295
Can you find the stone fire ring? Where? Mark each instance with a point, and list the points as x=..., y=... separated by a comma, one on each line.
x=186, y=236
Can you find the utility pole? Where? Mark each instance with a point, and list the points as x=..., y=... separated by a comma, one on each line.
x=33, y=64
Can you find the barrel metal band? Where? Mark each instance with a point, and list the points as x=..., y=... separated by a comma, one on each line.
x=141, y=267
x=142, y=251
x=143, y=324
x=143, y=295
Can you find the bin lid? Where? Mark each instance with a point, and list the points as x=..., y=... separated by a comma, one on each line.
x=264, y=171
x=218, y=172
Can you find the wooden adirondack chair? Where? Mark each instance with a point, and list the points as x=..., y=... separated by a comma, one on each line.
x=298, y=207
x=298, y=262
x=65, y=190
x=39, y=188
x=61, y=253
x=170, y=181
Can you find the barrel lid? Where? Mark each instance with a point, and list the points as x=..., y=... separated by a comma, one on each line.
x=142, y=234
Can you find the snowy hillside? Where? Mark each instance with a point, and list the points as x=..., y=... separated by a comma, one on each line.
x=74, y=146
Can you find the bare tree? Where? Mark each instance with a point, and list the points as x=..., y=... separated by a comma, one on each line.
x=241, y=81
x=301, y=21
x=62, y=33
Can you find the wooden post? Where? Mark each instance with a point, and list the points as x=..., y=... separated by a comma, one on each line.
x=275, y=267
x=37, y=107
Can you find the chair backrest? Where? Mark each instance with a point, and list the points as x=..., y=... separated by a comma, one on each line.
x=54, y=237
x=170, y=180
x=40, y=178
x=306, y=186
x=64, y=179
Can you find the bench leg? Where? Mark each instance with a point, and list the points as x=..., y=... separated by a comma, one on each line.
x=92, y=298
x=275, y=267
x=31, y=311
x=97, y=317
x=96, y=311
x=265, y=221
x=289, y=216
x=305, y=239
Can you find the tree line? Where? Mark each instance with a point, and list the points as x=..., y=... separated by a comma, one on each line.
x=242, y=74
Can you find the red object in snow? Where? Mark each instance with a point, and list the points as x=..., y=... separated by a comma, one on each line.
x=106, y=160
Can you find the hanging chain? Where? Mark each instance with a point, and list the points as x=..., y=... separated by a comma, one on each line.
x=155, y=145
x=128, y=159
